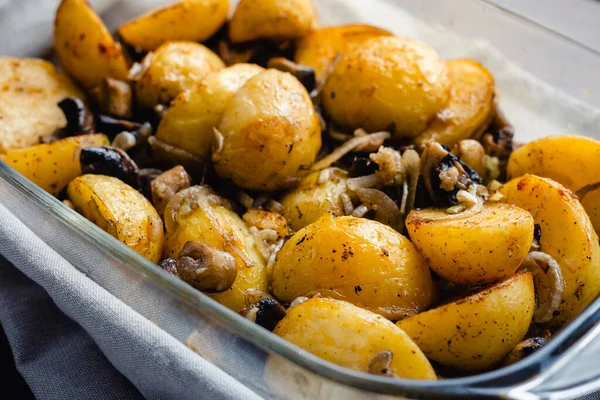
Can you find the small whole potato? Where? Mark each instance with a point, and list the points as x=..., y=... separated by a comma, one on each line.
x=272, y=19
x=173, y=68
x=483, y=248
x=270, y=133
x=476, y=332
x=387, y=83
x=350, y=336
x=591, y=203
x=357, y=260
x=189, y=122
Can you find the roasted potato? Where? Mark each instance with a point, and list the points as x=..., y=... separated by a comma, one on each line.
x=28, y=111
x=173, y=68
x=270, y=118
x=567, y=235
x=189, y=122
x=470, y=106
x=193, y=20
x=387, y=82
x=357, y=260
x=272, y=19
x=84, y=47
x=570, y=160
x=482, y=248
x=121, y=211
x=53, y=165
x=476, y=332
x=198, y=214
x=311, y=199
x=320, y=48
x=349, y=336
x=591, y=203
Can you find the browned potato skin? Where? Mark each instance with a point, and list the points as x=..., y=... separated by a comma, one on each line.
x=357, y=260
x=387, y=81
x=470, y=106
x=476, y=332
x=591, y=203
x=53, y=165
x=271, y=133
x=84, y=47
x=350, y=336
x=193, y=20
x=272, y=19
x=319, y=48
x=30, y=90
x=174, y=67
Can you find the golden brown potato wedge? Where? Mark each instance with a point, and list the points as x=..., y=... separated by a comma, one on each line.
x=357, y=260
x=193, y=20
x=591, y=203
x=350, y=336
x=483, y=248
x=31, y=88
x=189, y=122
x=272, y=19
x=84, y=47
x=53, y=165
x=173, y=68
x=121, y=211
x=470, y=106
x=566, y=234
x=478, y=331
x=570, y=160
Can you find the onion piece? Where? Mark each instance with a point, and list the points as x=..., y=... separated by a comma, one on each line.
x=412, y=164
x=347, y=147
x=347, y=204
x=549, y=284
x=367, y=181
x=360, y=211
x=386, y=210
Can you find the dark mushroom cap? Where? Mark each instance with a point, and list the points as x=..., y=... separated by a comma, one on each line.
x=206, y=268
x=79, y=120
x=524, y=349
x=269, y=313
x=304, y=74
x=169, y=265
x=104, y=160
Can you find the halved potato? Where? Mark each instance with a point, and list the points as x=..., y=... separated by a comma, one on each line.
x=483, y=248
x=31, y=88
x=196, y=214
x=189, y=122
x=357, y=260
x=173, y=68
x=478, y=331
x=591, y=203
x=570, y=160
x=566, y=234
x=320, y=48
x=53, y=165
x=84, y=47
x=193, y=20
x=350, y=336
x=272, y=19
x=121, y=211
x=470, y=106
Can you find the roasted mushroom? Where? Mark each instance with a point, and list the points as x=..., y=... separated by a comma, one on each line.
x=167, y=156
x=170, y=265
x=380, y=364
x=206, y=268
x=114, y=97
x=145, y=178
x=524, y=349
x=166, y=185
x=266, y=312
x=110, y=161
x=113, y=126
x=79, y=120
x=305, y=75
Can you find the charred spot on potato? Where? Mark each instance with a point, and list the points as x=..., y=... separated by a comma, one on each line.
x=110, y=161
x=79, y=120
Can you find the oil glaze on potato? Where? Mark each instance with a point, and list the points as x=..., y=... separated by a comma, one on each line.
x=272, y=19
x=349, y=336
x=121, y=211
x=385, y=83
x=483, y=248
x=320, y=48
x=30, y=89
x=469, y=108
x=591, y=203
x=270, y=131
x=566, y=234
x=189, y=122
x=357, y=260
x=53, y=165
x=476, y=332
x=570, y=160
x=84, y=47
x=173, y=68
x=193, y=20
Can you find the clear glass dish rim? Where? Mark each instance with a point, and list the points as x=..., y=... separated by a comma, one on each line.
x=500, y=379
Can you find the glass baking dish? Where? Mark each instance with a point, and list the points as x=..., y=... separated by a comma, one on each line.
x=276, y=369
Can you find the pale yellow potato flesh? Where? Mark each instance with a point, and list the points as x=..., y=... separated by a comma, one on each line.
x=121, y=211
x=591, y=203
x=346, y=335
x=476, y=332
x=566, y=234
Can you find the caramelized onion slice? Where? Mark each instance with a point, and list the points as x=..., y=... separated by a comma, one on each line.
x=549, y=284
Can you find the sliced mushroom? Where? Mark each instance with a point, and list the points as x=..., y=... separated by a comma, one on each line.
x=206, y=268
x=104, y=160
x=166, y=185
x=380, y=364
x=113, y=126
x=386, y=210
x=170, y=265
x=145, y=178
x=114, y=97
x=524, y=349
x=549, y=284
x=167, y=156
x=266, y=312
x=79, y=120
x=305, y=75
